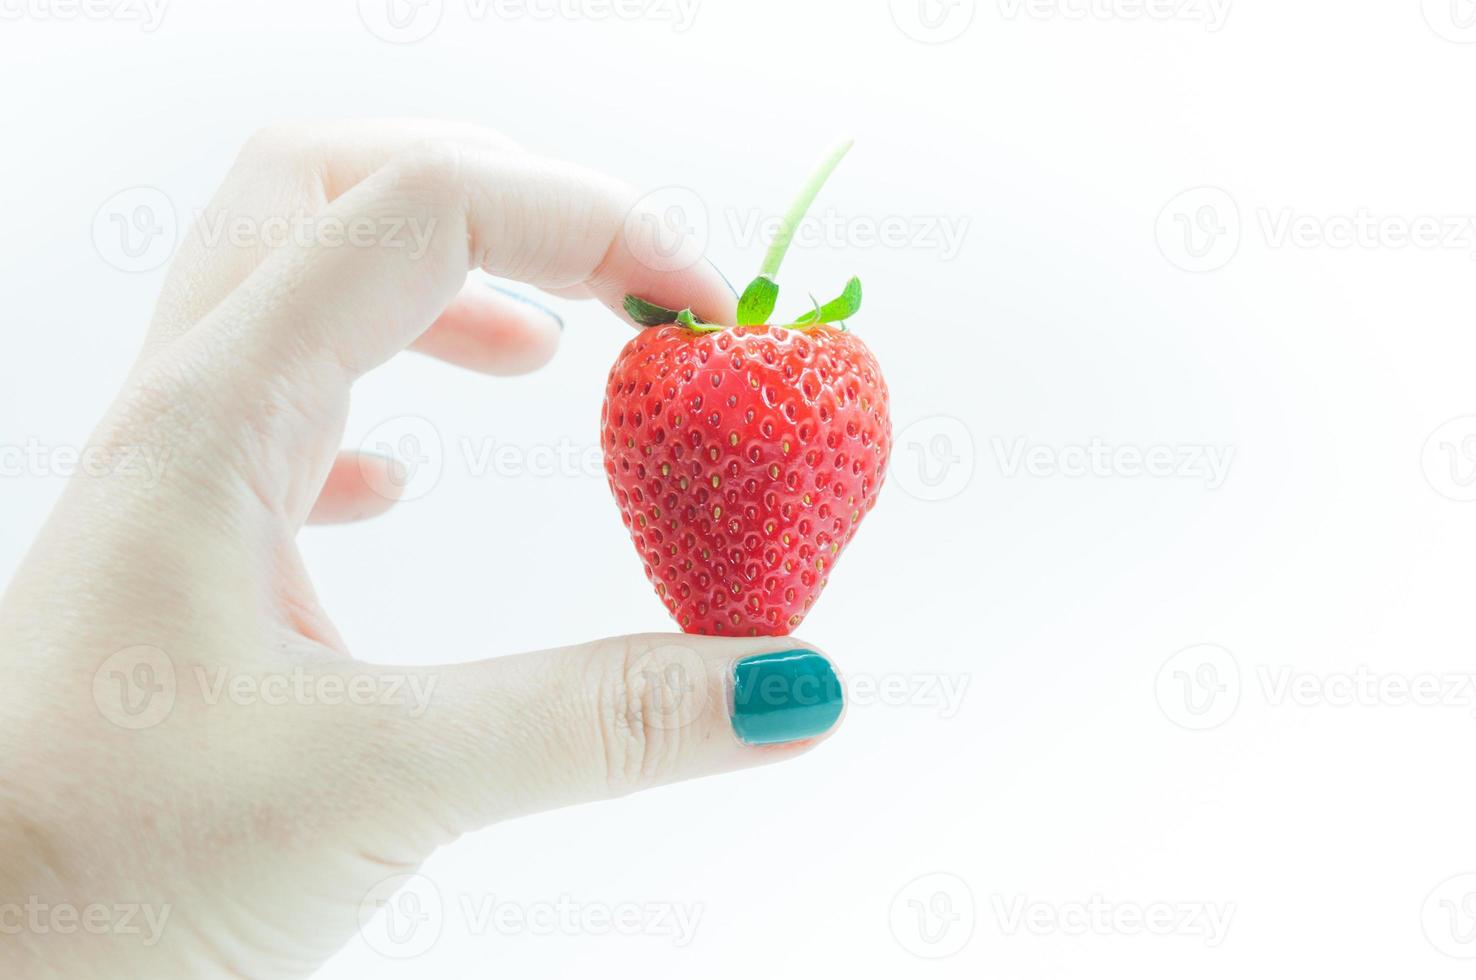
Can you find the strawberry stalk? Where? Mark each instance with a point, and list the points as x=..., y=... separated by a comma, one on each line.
x=800, y=208
x=757, y=303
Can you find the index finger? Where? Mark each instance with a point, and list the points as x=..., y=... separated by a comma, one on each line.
x=293, y=171
x=539, y=221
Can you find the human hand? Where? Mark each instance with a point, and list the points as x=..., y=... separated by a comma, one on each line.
x=255, y=826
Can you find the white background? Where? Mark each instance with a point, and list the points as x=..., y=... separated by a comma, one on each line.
x=1073, y=770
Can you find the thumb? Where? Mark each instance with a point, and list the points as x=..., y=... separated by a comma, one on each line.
x=516, y=735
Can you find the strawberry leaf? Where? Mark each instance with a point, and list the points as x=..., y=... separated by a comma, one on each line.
x=757, y=302
x=843, y=307
x=648, y=314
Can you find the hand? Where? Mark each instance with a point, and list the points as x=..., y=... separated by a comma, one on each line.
x=181, y=727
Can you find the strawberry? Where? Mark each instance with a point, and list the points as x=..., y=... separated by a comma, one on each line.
x=744, y=458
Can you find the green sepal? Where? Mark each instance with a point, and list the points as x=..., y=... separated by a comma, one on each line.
x=650, y=315
x=756, y=304
x=843, y=307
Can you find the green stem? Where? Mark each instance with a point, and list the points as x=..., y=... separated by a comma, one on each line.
x=796, y=212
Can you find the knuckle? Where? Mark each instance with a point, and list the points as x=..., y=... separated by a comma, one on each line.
x=276, y=142
x=434, y=169
x=155, y=434
x=164, y=398
x=650, y=704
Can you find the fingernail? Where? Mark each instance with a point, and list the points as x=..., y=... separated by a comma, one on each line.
x=724, y=278
x=784, y=697
x=529, y=301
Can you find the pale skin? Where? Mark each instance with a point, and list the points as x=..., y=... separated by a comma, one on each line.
x=261, y=825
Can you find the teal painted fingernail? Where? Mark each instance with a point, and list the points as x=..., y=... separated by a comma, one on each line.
x=783, y=697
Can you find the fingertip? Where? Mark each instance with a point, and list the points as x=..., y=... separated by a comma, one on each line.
x=650, y=260
x=702, y=289
x=792, y=696
x=359, y=486
x=715, y=298
x=493, y=330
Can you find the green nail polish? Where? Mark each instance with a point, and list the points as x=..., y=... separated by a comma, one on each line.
x=783, y=697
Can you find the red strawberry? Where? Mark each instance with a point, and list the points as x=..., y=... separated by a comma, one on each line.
x=743, y=458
